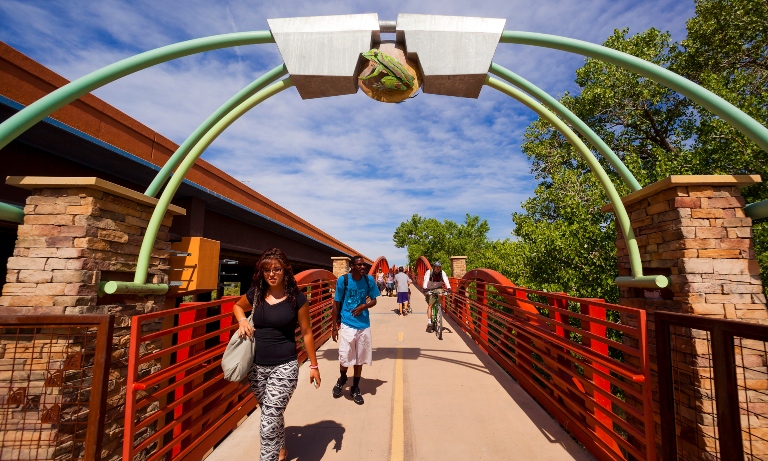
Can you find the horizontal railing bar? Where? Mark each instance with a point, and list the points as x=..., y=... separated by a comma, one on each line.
x=610, y=363
x=615, y=326
x=155, y=396
x=185, y=344
x=553, y=322
x=178, y=310
x=198, y=391
x=186, y=433
x=741, y=329
x=606, y=323
x=622, y=385
x=176, y=329
x=603, y=304
x=168, y=427
x=176, y=368
x=586, y=382
x=59, y=320
x=215, y=426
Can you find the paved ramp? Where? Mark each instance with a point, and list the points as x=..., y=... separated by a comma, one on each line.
x=425, y=399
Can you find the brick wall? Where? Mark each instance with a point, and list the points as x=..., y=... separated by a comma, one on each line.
x=693, y=230
x=72, y=239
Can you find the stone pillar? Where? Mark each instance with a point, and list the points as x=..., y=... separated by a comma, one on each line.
x=340, y=265
x=693, y=230
x=458, y=266
x=78, y=232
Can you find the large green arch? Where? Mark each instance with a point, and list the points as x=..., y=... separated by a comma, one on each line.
x=256, y=92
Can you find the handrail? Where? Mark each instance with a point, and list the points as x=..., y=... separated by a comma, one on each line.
x=381, y=262
x=185, y=374
x=559, y=350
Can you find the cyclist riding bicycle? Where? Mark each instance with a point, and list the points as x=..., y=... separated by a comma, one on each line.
x=435, y=281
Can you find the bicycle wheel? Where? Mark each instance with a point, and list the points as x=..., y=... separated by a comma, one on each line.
x=439, y=324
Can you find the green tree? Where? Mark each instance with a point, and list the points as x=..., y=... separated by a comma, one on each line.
x=654, y=130
x=438, y=241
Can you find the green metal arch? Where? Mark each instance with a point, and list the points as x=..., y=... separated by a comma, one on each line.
x=182, y=151
x=35, y=112
x=558, y=108
x=655, y=281
x=712, y=102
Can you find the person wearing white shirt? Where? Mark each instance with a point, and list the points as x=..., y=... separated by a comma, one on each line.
x=435, y=275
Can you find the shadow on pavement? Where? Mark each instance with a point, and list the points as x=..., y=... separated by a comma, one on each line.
x=546, y=424
x=310, y=442
x=410, y=353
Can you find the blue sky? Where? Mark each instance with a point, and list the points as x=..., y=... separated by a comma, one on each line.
x=352, y=166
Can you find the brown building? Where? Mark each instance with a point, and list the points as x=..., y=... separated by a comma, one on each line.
x=91, y=138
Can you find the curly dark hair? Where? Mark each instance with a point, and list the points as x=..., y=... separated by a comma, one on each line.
x=259, y=283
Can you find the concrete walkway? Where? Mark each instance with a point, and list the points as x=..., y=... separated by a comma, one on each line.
x=425, y=399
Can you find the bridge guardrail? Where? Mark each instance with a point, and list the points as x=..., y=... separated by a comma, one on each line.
x=54, y=380
x=584, y=360
x=178, y=405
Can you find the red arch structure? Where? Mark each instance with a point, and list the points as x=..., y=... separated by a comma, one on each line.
x=422, y=266
x=380, y=263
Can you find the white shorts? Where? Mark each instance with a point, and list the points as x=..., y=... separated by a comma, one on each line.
x=355, y=346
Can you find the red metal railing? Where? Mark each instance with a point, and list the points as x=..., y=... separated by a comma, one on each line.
x=380, y=263
x=422, y=266
x=178, y=405
x=585, y=367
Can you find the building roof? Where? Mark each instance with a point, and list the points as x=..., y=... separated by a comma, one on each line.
x=23, y=81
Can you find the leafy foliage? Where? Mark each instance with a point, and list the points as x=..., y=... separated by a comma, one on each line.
x=438, y=241
x=563, y=241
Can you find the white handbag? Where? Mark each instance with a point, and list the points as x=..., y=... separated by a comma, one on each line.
x=238, y=357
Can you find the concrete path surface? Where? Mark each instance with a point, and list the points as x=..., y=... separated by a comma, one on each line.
x=425, y=399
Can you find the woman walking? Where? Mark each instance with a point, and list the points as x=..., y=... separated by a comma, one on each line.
x=278, y=308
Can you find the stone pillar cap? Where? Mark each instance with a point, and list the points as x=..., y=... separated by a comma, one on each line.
x=340, y=257
x=458, y=257
x=740, y=180
x=52, y=182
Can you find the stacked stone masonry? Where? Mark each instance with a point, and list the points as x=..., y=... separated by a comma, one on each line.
x=71, y=240
x=698, y=236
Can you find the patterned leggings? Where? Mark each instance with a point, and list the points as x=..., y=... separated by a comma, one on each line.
x=273, y=387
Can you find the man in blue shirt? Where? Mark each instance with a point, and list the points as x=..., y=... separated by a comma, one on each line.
x=353, y=326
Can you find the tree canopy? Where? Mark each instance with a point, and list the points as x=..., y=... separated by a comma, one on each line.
x=561, y=240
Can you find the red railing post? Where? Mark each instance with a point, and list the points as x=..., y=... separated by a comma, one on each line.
x=603, y=407
x=186, y=318
x=130, y=397
x=482, y=314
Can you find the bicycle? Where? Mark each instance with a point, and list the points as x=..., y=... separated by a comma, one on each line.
x=437, y=312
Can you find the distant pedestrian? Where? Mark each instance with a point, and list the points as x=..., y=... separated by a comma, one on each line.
x=390, y=284
x=403, y=282
x=353, y=327
x=381, y=280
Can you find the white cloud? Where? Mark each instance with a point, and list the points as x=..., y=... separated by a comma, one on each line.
x=349, y=165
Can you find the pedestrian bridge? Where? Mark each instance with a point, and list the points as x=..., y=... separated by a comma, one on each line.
x=518, y=373
x=424, y=399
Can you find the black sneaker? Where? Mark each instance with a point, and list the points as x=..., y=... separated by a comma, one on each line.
x=338, y=388
x=356, y=396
